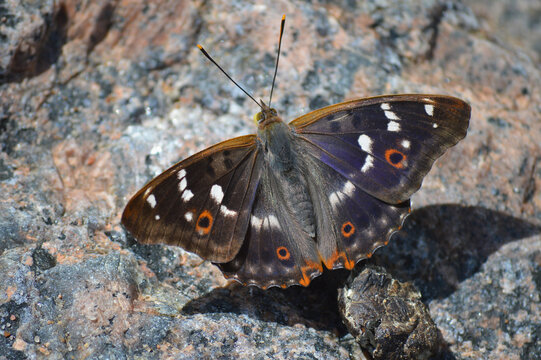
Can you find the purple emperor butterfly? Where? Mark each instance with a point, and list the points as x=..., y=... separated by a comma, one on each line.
x=326, y=190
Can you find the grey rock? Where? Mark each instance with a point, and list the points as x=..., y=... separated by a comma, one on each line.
x=125, y=93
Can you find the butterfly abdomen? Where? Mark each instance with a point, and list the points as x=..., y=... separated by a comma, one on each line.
x=302, y=203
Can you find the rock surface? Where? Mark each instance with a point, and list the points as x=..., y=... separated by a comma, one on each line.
x=387, y=317
x=99, y=97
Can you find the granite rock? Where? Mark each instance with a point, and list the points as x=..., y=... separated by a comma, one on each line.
x=96, y=98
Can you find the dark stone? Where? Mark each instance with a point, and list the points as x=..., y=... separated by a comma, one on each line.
x=42, y=259
x=10, y=320
x=387, y=317
x=318, y=102
x=5, y=171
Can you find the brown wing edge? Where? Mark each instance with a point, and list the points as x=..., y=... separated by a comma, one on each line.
x=463, y=108
x=131, y=213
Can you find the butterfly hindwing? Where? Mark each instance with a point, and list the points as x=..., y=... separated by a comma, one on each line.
x=202, y=203
x=276, y=251
x=385, y=145
x=351, y=224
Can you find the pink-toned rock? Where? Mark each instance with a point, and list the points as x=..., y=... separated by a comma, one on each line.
x=99, y=97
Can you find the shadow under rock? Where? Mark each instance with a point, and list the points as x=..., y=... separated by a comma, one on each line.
x=438, y=247
x=315, y=306
x=443, y=245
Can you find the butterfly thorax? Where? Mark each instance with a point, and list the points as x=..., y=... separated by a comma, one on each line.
x=276, y=140
x=266, y=116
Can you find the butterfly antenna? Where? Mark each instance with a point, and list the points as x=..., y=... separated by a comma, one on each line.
x=277, y=56
x=226, y=74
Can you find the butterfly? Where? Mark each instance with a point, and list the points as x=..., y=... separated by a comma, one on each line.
x=324, y=191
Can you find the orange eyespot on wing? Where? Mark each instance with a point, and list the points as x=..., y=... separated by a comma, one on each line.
x=395, y=158
x=348, y=229
x=283, y=253
x=204, y=223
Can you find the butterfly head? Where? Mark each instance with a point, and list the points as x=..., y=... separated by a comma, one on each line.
x=266, y=116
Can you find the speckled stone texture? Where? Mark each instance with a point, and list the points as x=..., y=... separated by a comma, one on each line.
x=96, y=98
x=515, y=25
x=387, y=317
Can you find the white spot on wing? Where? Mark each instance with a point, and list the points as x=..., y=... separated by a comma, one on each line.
x=391, y=115
x=334, y=199
x=188, y=216
x=405, y=144
x=226, y=212
x=187, y=195
x=337, y=196
x=368, y=163
x=182, y=184
x=273, y=221
x=255, y=221
x=348, y=188
x=181, y=174
x=151, y=200
x=385, y=106
x=435, y=126
x=217, y=193
x=429, y=109
x=393, y=126
x=157, y=217
x=365, y=143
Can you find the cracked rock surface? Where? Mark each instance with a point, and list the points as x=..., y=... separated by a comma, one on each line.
x=97, y=98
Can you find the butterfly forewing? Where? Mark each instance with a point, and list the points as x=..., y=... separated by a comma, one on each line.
x=202, y=203
x=385, y=145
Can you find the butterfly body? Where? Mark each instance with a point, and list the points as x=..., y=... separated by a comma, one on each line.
x=276, y=140
x=324, y=191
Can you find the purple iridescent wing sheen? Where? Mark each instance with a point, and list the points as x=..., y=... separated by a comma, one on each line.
x=385, y=145
x=351, y=224
x=366, y=158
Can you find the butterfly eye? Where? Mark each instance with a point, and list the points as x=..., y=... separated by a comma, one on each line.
x=273, y=112
x=259, y=117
